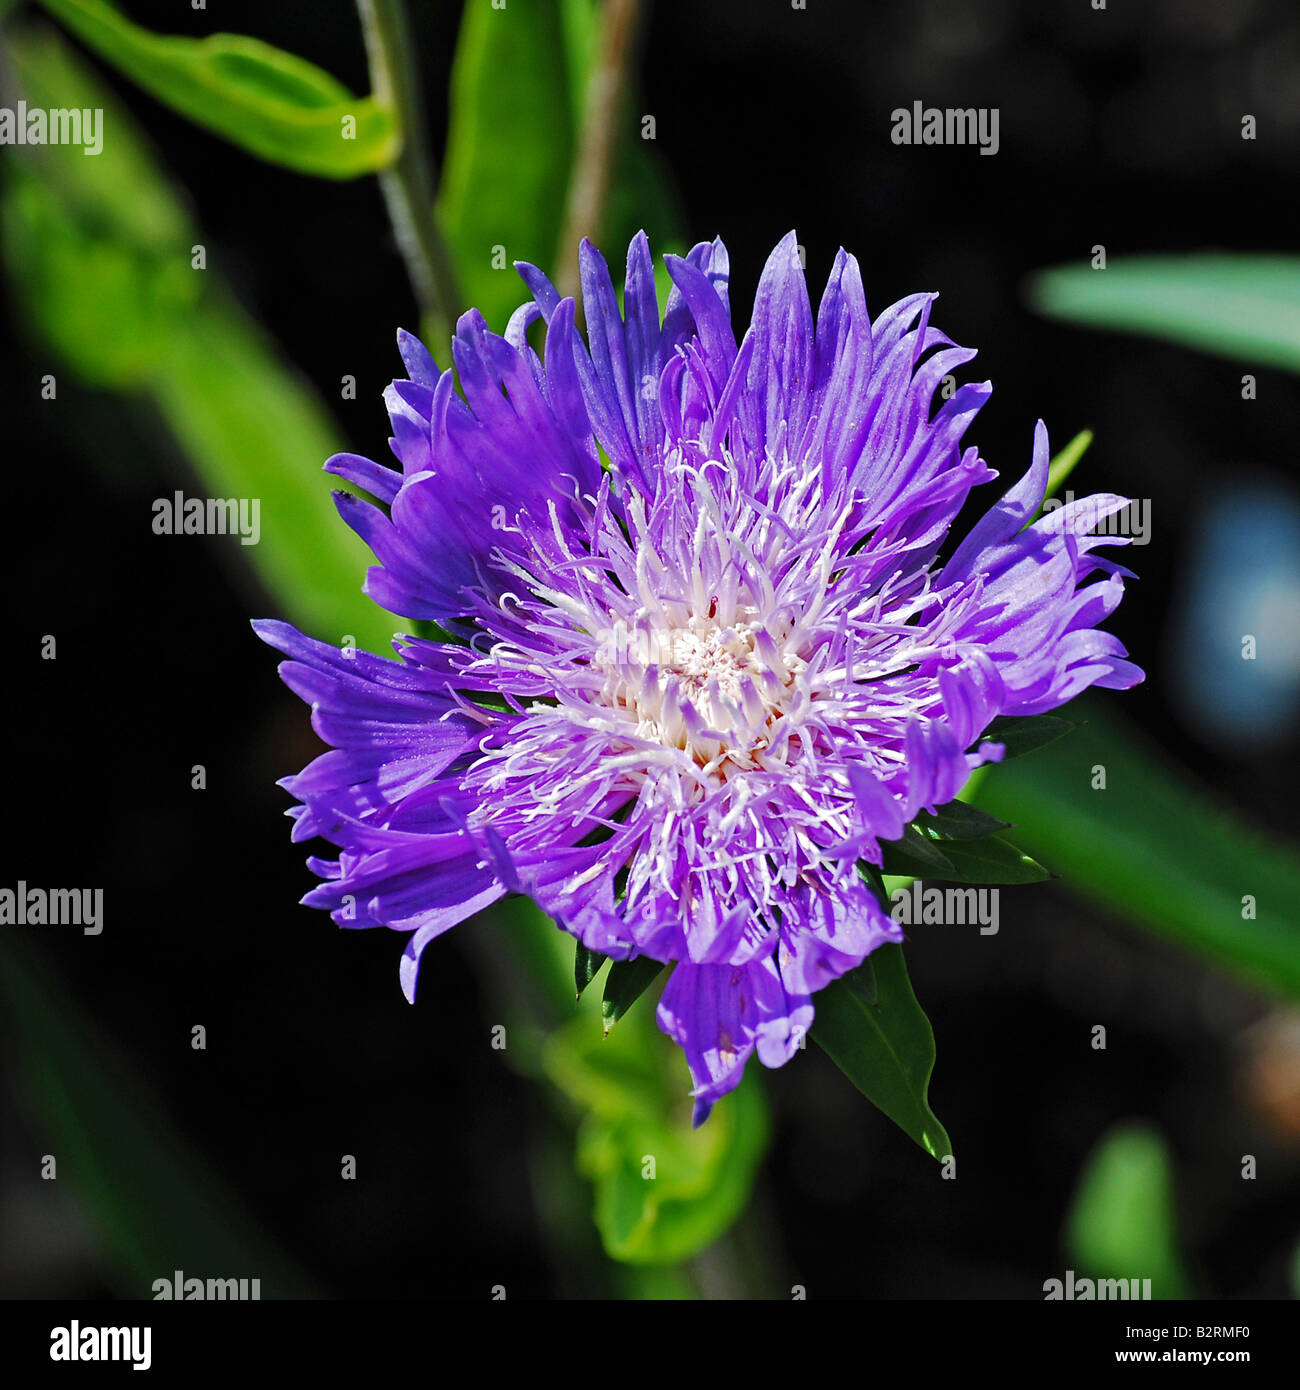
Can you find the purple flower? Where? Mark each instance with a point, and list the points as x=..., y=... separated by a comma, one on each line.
x=707, y=656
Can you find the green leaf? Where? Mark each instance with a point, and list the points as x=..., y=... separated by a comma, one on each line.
x=631, y=1090
x=505, y=178
x=914, y=855
x=580, y=27
x=627, y=981
x=862, y=982
x=103, y=307
x=98, y=249
x=1243, y=306
x=1122, y=1222
x=959, y=821
x=1156, y=849
x=98, y=253
x=505, y=173
x=991, y=860
x=273, y=104
x=698, y=1188
x=885, y=1049
x=1022, y=734
x=586, y=966
x=251, y=428
x=972, y=850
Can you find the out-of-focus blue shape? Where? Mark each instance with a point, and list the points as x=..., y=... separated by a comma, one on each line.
x=1241, y=581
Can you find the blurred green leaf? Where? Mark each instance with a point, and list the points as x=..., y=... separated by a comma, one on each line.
x=885, y=1048
x=627, y=981
x=580, y=30
x=1156, y=849
x=642, y=196
x=1245, y=306
x=633, y=1088
x=663, y=1191
x=273, y=104
x=1122, y=1222
x=98, y=249
x=505, y=171
x=105, y=308
x=98, y=253
x=252, y=428
x=157, y=1204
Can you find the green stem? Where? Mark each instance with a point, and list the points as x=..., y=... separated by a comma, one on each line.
x=599, y=139
x=408, y=185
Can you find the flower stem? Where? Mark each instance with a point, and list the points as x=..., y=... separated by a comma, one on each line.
x=598, y=141
x=408, y=185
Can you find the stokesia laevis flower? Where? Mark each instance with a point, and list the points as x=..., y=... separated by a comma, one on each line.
x=699, y=677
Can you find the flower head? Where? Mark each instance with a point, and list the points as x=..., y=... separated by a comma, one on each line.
x=706, y=655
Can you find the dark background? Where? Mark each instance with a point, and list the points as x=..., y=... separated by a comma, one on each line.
x=1119, y=127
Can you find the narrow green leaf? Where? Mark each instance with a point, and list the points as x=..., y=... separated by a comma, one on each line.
x=1156, y=848
x=1244, y=306
x=586, y=966
x=1064, y=463
x=875, y=880
x=1022, y=734
x=959, y=821
x=626, y=982
x=885, y=1049
x=1123, y=1223
x=273, y=104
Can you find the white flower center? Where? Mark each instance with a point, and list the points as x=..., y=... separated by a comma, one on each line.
x=713, y=689
x=710, y=661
